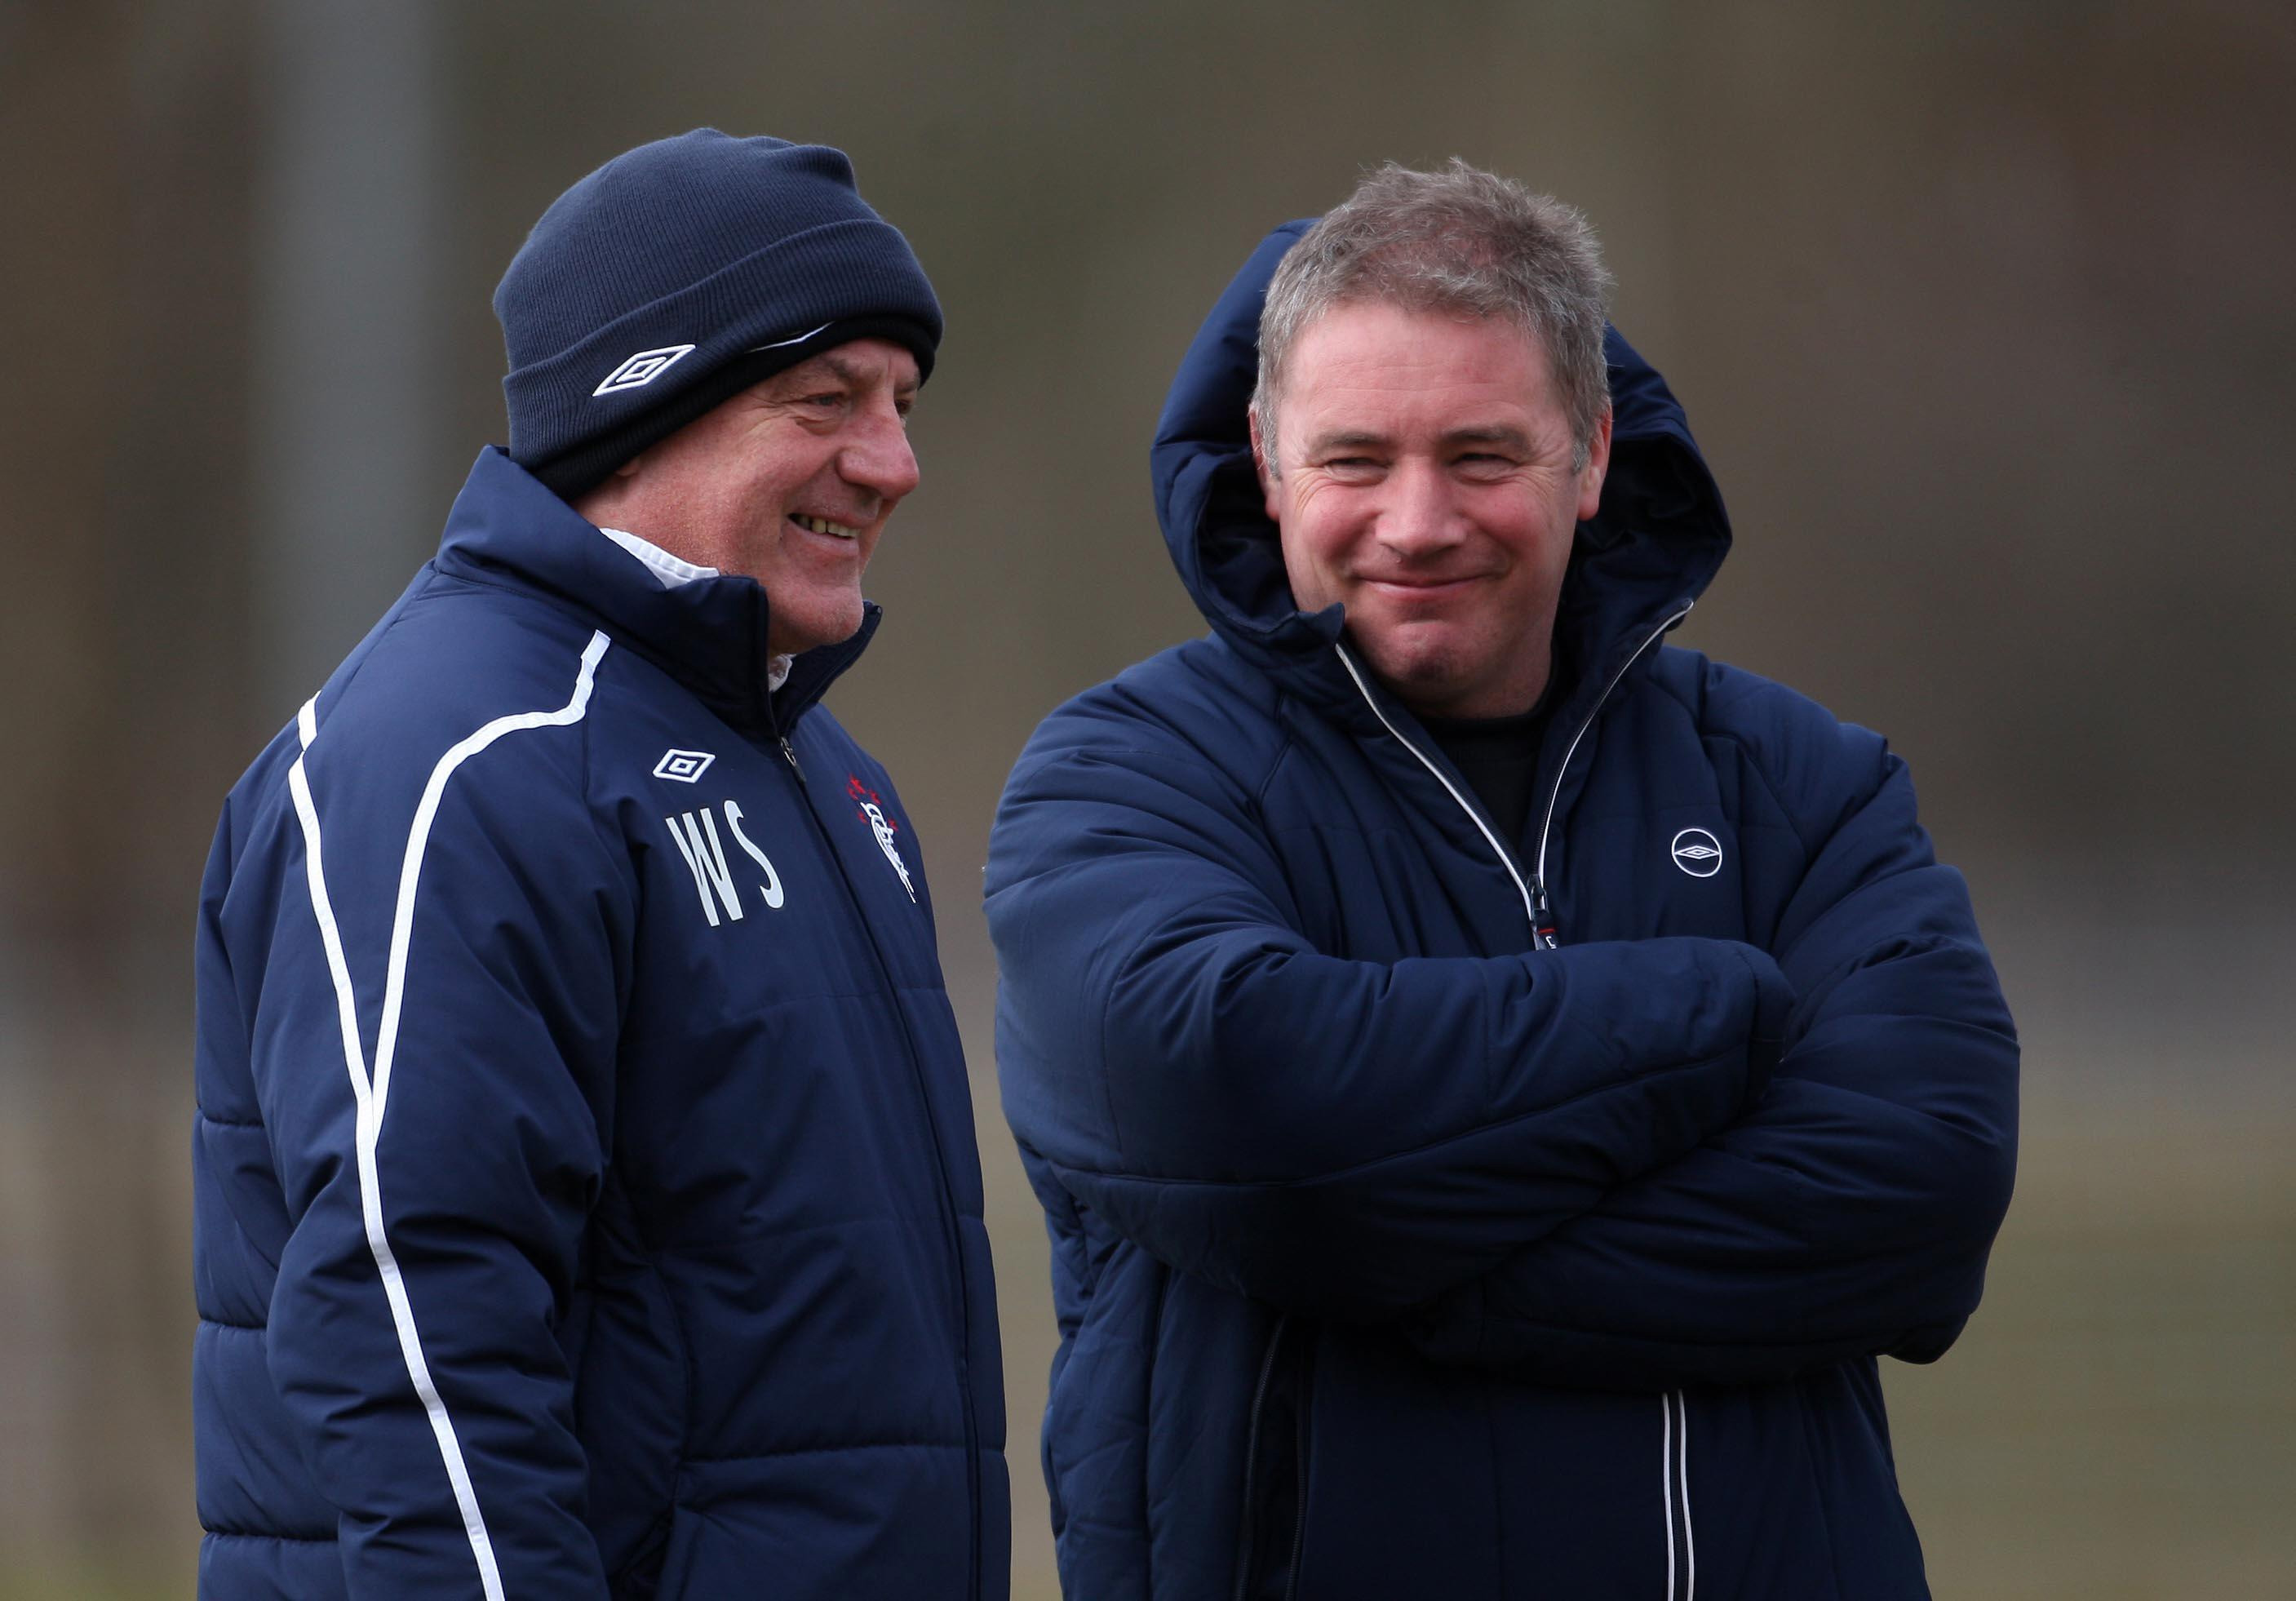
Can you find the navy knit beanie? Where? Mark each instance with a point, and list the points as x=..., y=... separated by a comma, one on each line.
x=678, y=275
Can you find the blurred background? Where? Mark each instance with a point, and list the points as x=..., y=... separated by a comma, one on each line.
x=1983, y=314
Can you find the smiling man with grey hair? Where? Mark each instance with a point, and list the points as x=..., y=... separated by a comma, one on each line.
x=1486, y=1072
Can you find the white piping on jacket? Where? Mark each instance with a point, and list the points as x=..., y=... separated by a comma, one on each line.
x=1674, y=1490
x=372, y=1096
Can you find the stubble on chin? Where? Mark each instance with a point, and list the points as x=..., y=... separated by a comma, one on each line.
x=1414, y=668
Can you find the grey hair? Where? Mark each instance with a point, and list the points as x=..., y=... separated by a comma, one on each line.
x=1459, y=242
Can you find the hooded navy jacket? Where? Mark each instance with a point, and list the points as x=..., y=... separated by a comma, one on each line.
x=586, y=1196
x=1398, y=1252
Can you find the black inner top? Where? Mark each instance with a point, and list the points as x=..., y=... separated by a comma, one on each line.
x=1499, y=758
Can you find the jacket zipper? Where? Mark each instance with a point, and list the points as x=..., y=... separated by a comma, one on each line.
x=1535, y=904
x=1542, y=918
x=951, y=1230
x=1506, y=857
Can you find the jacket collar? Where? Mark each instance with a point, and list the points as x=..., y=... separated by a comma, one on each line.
x=1650, y=550
x=709, y=635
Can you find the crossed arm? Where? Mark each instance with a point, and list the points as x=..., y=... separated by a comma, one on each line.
x=1588, y=1165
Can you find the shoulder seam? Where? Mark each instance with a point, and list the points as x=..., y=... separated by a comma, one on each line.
x=616, y=851
x=1284, y=745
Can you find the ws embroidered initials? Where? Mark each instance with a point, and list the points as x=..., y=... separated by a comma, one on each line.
x=696, y=837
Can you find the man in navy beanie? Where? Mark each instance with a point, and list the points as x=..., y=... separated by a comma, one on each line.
x=587, y=1197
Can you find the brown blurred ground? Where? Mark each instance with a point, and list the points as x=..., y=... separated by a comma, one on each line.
x=1981, y=313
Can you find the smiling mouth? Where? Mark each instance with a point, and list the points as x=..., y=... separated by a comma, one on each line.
x=823, y=525
x=1421, y=585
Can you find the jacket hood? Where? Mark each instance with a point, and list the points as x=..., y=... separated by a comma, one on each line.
x=1646, y=555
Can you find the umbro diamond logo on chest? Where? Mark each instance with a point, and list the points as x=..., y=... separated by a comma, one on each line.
x=1697, y=853
x=640, y=370
x=686, y=766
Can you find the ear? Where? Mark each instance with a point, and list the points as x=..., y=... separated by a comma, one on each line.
x=604, y=503
x=1597, y=467
x=1264, y=469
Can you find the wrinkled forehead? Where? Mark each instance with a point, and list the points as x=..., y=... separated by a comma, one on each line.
x=857, y=363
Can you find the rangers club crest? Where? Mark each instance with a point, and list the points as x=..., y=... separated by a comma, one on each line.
x=872, y=813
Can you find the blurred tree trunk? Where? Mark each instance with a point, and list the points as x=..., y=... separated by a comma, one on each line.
x=124, y=434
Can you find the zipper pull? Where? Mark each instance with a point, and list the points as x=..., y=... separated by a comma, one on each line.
x=1542, y=919
x=790, y=756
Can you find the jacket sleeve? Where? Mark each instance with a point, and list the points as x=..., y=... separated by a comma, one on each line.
x=1849, y=1211
x=432, y=1047
x=1346, y=1137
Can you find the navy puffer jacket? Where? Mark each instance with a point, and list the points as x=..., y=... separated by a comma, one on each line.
x=586, y=1196
x=1398, y=1252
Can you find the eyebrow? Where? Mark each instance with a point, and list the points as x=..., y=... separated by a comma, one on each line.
x=1345, y=438
x=1490, y=433
x=1357, y=438
x=852, y=376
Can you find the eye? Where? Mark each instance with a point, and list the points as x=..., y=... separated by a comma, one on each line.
x=1484, y=463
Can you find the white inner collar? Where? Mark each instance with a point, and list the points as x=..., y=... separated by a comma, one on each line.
x=669, y=572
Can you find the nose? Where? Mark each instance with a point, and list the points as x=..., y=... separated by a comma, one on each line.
x=877, y=457
x=1421, y=517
